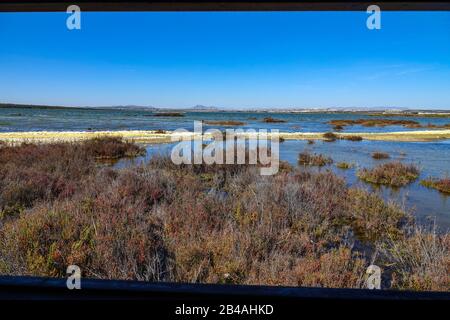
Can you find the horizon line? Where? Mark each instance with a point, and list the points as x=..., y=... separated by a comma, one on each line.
x=216, y=108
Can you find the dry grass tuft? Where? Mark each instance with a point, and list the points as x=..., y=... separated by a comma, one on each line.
x=419, y=261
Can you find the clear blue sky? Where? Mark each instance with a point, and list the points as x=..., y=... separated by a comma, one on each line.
x=241, y=59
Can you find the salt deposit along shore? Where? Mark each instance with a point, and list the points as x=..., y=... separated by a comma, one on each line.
x=150, y=136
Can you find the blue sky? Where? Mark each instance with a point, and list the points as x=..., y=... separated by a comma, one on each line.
x=226, y=59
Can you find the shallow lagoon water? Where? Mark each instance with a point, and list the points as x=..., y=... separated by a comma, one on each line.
x=82, y=119
x=431, y=157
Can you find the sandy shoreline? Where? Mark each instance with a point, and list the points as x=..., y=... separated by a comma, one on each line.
x=150, y=136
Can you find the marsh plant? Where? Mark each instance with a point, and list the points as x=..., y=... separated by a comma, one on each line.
x=395, y=174
x=312, y=159
x=440, y=184
x=344, y=165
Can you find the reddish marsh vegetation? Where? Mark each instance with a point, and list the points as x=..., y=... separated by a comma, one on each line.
x=200, y=223
x=31, y=173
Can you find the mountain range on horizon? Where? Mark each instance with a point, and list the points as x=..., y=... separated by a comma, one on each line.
x=220, y=109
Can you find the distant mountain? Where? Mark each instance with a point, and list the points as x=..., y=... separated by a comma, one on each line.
x=39, y=106
x=205, y=108
x=128, y=106
x=202, y=108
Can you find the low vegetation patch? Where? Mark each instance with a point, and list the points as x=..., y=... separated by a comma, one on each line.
x=330, y=137
x=435, y=126
x=168, y=114
x=273, y=120
x=380, y=155
x=442, y=185
x=225, y=123
x=412, y=114
x=352, y=138
x=30, y=173
x=312, y=159
x=373, y=122
x=394, y=174
x=410, y=124
x=109, y=148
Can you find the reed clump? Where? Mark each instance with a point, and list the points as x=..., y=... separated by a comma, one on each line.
x=440, y=184
x=394, y=174
x=312, y=159
x=380, y=155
